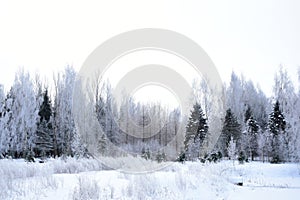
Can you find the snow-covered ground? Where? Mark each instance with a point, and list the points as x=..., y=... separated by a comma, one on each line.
x=88, y=179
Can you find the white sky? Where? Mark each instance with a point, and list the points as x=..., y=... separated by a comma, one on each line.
x=253, y=37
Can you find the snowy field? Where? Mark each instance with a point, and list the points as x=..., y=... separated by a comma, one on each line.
x=88, y=179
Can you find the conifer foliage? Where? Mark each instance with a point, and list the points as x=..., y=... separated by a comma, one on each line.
x=44, y=135
x=252, y=131
x=231, y=131
x=277, y=126
x=31, y=125
x=196, y=132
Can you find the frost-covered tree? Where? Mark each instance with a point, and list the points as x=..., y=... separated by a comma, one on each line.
x=63, y=122
x=8, y=139
x=44, y=135
x=264, y=142
x=241, y=95
x=249, y=136
x=124, y=120
x=77, y=146
x=143, y=119
x=211, y=98
x=102, y=144
x=259, y=110
x=2, y=97
x=175, y=117
x=248, y=114
x=3, y=124
x=24, y=115
x=252, y=131
x=277, y=126
x=285, y=94
x=111, y=116
x=231, y=128
x=297, y=127
x=235, y=97
x=101, y=114
x=108, y=117
x=196, y=131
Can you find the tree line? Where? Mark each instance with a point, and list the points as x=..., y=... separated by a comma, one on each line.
x=254, y=127
x=36, y=121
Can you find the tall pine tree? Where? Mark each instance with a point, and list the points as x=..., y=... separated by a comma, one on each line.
x=248, y=114
x=44, y=135
x=252, y=130
x=231, y=129
x=196, y=132
x=277, y=126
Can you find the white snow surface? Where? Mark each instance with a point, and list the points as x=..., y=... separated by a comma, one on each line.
x=87, y=179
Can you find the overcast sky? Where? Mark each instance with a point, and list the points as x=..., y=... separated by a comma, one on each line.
x=253, y=37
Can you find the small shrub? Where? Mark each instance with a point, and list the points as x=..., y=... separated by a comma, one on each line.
x=29, y=157
x=182, y=157
x=145, y=154
x=214, y=157
x=160, y=157
x=204, y=159
x=242, y=157
x=275, y=160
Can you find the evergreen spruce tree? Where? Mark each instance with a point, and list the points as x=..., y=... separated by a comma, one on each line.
x=6, y=138
x=248, y=114
x=102, y=144
x=146, y=153
x=44, y=139
x=252, y=129
x=196, y=132
x=277, y=126
x=7, y=126
x=231, y=129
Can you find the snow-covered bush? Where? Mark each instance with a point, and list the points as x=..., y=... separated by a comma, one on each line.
x=74, y=165
x=86, y=189
x=242, y=157
x=20, y=178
